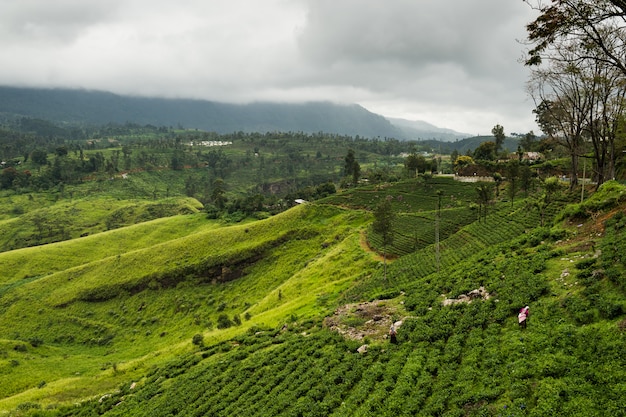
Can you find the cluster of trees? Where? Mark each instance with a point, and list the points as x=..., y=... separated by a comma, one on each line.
x=417, y=164
x=578, y=61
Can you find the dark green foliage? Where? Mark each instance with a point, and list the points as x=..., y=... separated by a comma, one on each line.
x=486, y=151
x=35, y=342
x=20, y=348
x=28, y=406
x=223, y=322
x=453, y=361
x=613, y=249
x=383, y=221
x=198, y=339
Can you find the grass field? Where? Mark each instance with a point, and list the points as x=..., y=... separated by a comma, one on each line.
x=113, y=300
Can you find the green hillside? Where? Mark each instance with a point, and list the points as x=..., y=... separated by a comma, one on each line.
x=129, y=295
x=187, y=316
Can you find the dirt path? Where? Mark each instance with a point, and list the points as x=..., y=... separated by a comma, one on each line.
x=366, y=247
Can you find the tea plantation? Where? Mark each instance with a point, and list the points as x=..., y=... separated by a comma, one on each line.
x=183, y=315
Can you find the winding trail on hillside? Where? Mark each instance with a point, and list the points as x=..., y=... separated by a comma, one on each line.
x=367, y=248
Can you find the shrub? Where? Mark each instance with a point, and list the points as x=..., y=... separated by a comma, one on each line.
x=198, y=339
x=580, y=309
x=609, y=307
x=20, y=348
x=223, y=322
x=35, y=341
x=585, y=263
x=616, y=277
x=28, y=406
x=389, y=294
x=558, y=233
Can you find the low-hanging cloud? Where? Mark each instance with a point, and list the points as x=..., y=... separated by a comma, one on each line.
x=52, y=22
x=451, y=63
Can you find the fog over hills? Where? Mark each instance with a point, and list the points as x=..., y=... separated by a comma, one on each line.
x=97, y=107
x=418, y=129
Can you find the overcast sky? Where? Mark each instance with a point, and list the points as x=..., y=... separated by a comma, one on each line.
x=452, y=63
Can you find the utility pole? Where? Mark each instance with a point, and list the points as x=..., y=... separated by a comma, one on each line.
x=437, y=218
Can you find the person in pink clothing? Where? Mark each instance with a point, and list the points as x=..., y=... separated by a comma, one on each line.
x=392, y=334
x=522, y=317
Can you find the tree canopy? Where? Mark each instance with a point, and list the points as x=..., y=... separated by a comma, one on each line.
x=578, y=51
x=597, y=24
x=498, y=134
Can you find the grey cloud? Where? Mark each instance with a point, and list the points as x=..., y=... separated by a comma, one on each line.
x=401, y=58
x=51, y=21
x=407, y=32
x=437, y=52
x=475, y=35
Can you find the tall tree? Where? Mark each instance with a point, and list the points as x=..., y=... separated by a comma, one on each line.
x=608, y=88
x=581, y=100
x=596, y=31
x=486, y=151
x=525, y=178
x=563, y=104
x=218, y=193
x=383, y=225
x=527, y=141
x=356, y=172
x=414, y=164
x=349, y=161
x=39, y=156
x=512, y=174
x=351, y=167
x=485, y=195
x=453, y=156
x=498, y=134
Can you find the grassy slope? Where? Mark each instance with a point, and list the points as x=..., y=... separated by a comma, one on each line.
x=464, y=360
x=53, y=221
x=117, y=304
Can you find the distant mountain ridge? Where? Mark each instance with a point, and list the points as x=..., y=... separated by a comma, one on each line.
x=97, y=107
x=418, y=129
x=75, y=106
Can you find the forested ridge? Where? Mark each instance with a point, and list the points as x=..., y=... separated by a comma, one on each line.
x=99, y=108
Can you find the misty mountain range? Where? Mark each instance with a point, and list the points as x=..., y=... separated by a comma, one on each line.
x=424, y=130
x=73, y=106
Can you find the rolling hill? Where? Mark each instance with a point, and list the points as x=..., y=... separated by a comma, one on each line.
x=183, y=315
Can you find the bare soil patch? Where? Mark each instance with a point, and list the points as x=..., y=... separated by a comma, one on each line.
x=370, y=320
